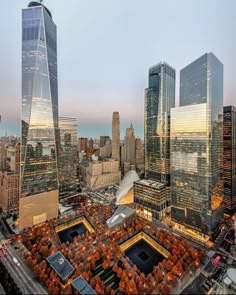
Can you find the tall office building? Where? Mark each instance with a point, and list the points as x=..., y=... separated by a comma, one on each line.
x=116, y=136
x=90, y=144
x=105, y=151
x=82, y=144
x=9, y=181
x=68, y=155
x=159, y=99
x=151, y=196
x=138, y=151
x=229, y=155
x=3, y=155
x=9, y=191
x=39, y=125
x=103, y=140
x=196, y=147
x=130, y=145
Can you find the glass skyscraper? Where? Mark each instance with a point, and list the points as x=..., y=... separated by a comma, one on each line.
x=229, y=144
x=68, y=155
x=159, y=99
x=151, y=196
x=39, y=125
x=197, y=146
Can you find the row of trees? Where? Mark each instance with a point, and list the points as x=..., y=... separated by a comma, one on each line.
x=86, y=250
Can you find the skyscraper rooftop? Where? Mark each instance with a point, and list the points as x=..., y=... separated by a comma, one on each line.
x=34, y=3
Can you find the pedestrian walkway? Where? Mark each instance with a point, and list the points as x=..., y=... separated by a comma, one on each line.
x=189, y=279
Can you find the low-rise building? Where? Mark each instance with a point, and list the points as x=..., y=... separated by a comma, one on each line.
x=150, y=198
x=102, y=174
x=60, y=265
x=82, y=287
x=124, y=215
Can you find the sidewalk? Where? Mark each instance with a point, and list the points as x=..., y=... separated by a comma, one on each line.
x=181, y=286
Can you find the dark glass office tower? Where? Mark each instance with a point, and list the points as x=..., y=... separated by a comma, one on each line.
x=197, y=147
x=68, y=179
x=39, y=125
x=159, y=99
x=229, y=143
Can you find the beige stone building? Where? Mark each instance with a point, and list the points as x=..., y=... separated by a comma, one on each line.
x=105, y=151
x=116, y=136
x=127, y=167
x=9, y=181
x=103, y=174
x=3, y=156
x=130, y=145
x=13, y=158
x=9, y=192
x=139, y=157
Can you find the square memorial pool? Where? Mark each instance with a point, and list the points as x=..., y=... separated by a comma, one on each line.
x=144, y=256
x=70, y=233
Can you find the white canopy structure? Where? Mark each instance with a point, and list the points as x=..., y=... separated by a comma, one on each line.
x=124, y=194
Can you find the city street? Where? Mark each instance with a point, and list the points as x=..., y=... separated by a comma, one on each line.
x=21, y=274
x=195, y=287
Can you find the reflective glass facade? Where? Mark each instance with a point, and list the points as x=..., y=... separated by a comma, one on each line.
x=193, y=82
x=150, y=199
x=229, y=143
x=197, y=146
x=68, y=155
x=159, y=99
x=39, y=125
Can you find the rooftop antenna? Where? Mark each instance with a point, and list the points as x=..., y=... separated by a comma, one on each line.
x=40, y=1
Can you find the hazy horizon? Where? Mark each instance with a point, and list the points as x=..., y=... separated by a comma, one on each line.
x=105, y=49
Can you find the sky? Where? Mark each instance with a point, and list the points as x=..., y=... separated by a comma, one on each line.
x=105, y=48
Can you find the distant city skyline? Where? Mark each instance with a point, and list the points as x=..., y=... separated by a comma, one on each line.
x=105, y=49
